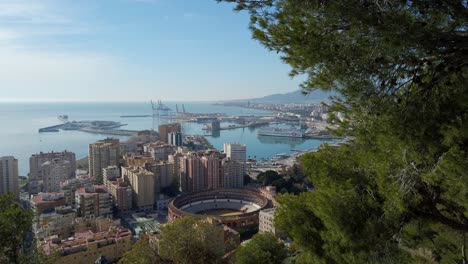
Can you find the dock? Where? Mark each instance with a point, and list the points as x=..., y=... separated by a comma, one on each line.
x=240, y=126
x=90, y=126
x=114, y=132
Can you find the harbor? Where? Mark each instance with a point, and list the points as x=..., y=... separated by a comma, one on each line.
x=260, y=147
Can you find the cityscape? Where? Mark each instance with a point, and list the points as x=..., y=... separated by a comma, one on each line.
x=233, y=132
x=101, y=205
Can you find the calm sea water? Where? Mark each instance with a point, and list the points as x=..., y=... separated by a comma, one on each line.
x=19, y=124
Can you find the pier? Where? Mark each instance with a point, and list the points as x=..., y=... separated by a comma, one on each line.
x=93, y=126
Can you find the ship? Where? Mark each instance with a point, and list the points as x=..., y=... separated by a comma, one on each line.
x=281, y=132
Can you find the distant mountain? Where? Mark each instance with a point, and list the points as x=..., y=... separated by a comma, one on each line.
x=316, y=96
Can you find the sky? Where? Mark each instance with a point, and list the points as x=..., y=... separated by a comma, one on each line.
x=133, y=50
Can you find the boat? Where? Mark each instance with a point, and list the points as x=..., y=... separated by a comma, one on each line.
x=281, y=132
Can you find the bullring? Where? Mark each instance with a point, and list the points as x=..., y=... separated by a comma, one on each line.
x=236, y=208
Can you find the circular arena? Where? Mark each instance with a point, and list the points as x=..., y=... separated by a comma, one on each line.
x=236, y=208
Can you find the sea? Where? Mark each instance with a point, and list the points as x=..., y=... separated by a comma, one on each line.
x=19, y=124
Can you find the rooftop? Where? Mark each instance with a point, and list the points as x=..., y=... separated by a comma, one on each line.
x=47, y=197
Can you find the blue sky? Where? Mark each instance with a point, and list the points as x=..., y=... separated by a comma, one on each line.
x=132, y=50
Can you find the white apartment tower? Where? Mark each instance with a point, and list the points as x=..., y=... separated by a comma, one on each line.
x=54, y=172
x=9, y=176
x=37, y=160
x=110, y=173
x=236, y=152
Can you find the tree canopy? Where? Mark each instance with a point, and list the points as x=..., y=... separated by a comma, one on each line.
x=188, y=240
x=262, y=248
x=15, y=222
x=142, y=253
x=398, y=191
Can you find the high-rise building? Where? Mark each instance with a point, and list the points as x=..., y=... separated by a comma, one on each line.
x=232, y=174
x=110, y=173
x=69, y=187
x=192, y=176
x=131, y=160
x=213, y=170
x=142, y=182
x=236, y=152
x=160, y=151
x=93, y=201
x=37, y=160
x=121, y=193
x=164, y=173
x=102, y=154
x=9, y=176
x=175, y=139
x=164, y=131
x=54, y=172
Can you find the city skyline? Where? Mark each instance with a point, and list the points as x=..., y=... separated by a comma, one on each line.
x=133, y=50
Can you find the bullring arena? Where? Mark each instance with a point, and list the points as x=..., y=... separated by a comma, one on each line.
x=236, y=208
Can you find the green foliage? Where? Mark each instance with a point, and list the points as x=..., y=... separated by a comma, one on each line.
x=188, y=240
x=143, y=252
x=14, y=225
x=292, y=182
x=262, y=248
x=268, y=177
x=398, y=192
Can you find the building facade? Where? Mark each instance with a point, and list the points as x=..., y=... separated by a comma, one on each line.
x=93, y=201
x=164, y=131
x=110, y=173
x=43, y=202
x=59, y=222
x=69, y=187
x=9, y=180
x=121, y=193
x=266, y=221
x=191, y=173
x=164, y=173
x=142, y=182
x=175, y=139
x=37, y=160
x=232, y=174
x=236, y=152
x=213, y=169
x=88, y=246
x=55, y=171
x=102, y=154
x=160, y=151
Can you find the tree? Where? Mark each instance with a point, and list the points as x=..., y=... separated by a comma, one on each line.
x=266, y=178
x=15, y=222
x=142, y=253
x=188, y=240
x=398, y=192
x=262, y=248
